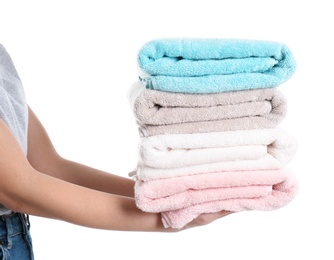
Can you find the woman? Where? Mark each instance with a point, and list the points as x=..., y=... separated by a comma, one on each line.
x=36, y=180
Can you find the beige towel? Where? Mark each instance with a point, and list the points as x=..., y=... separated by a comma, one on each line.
x=158, y=112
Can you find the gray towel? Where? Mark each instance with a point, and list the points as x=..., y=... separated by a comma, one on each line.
x=158, y=112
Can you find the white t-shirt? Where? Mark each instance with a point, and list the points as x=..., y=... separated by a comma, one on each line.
x=13, y=106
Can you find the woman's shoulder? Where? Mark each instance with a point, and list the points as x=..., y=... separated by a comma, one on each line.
x=2, y=49
x=4, y=56
x=7, y=67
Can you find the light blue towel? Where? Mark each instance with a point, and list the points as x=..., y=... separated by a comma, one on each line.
x=214, y=65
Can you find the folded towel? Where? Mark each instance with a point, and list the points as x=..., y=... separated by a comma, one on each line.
x=159, y=112
x=214, y=65
x=182, y=199
x=165, y=156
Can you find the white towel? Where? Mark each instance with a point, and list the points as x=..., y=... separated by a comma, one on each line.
x=165, y=156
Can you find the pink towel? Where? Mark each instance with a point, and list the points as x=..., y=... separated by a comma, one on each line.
x=181, y=199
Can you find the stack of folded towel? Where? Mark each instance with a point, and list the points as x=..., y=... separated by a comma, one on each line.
x=208, y=112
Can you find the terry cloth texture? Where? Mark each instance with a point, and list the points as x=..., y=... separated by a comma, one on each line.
x=214, y=65
x=208, y=113
x=166, y=156
x=183, y=198
x=13, y=107
x=160, y=112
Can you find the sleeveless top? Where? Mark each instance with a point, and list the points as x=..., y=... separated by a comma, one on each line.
x=13, y=106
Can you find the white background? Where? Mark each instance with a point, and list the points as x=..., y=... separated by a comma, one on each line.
x=77, y=60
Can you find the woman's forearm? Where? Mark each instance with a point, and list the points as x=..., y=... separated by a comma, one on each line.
x=45, y=184
x=44, y=158
x=91, y=178
x=58, y=199
x=28, y=190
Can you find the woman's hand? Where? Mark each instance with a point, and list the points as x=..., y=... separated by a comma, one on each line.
x=207, y=218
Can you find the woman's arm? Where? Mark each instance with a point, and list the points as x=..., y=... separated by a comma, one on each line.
x=43, y=157
x=44, y=184
x=25, y=189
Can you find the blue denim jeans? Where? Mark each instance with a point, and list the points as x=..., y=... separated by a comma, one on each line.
x=15, y=240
